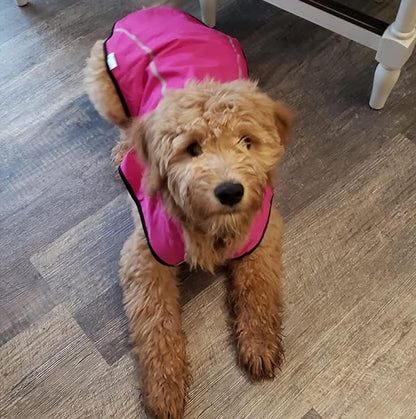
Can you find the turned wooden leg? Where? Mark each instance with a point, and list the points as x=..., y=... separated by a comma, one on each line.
x=21, y=3
x=208, y=12
x=256, y=301
x=384, y=81
x=396, y=46
x=151, y=300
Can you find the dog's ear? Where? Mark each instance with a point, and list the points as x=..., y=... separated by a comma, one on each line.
x=136, y=134
x=283, y=118
x=141, y=136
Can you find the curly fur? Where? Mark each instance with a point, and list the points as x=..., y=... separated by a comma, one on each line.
x=216, y=116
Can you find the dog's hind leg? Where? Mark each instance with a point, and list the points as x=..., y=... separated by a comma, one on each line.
x=120, y=149
x=151, y=299
x=256, y=303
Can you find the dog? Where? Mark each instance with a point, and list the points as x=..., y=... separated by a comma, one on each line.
x=199, y=147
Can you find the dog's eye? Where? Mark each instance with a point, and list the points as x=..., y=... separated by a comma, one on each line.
x=194, y=149
x=246, y=141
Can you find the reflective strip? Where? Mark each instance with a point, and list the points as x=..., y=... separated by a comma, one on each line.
x=149, y=52
x=240, y=71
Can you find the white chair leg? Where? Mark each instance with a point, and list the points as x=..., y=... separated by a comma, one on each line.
x=396, y=46
x=21, y=3
x=208, y=12
x=384, y=81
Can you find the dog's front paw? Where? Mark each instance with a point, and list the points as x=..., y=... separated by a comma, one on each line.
x=166, y=396
x=259, y=353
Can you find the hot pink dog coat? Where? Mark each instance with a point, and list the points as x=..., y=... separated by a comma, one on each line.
x=161, y=48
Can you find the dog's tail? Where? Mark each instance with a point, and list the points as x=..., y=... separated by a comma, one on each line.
x=101, y=90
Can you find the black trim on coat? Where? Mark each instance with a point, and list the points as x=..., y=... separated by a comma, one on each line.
x=139, y=207
x=113, y=79
x=262, y=236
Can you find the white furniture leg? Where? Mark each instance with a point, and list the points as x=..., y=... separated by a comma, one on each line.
x=396, y=46
x=21, y=3
x=208, y=12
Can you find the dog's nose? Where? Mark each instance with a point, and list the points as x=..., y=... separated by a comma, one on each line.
x=229, y=193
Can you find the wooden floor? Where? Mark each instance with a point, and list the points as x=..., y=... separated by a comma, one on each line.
x=347, y=191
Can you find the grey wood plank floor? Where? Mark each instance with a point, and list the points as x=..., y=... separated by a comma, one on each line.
x=346, y=189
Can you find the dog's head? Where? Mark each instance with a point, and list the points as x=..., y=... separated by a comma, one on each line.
x=211, y=149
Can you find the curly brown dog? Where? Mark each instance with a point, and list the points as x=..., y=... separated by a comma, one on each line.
x=198, y=138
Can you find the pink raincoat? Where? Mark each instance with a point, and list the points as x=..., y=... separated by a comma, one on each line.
x=161, y=48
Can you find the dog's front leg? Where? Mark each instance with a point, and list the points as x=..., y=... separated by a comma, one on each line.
x=256, y=301
x=151, y=299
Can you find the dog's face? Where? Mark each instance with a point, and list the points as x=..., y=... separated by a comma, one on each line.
x=212, y=149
